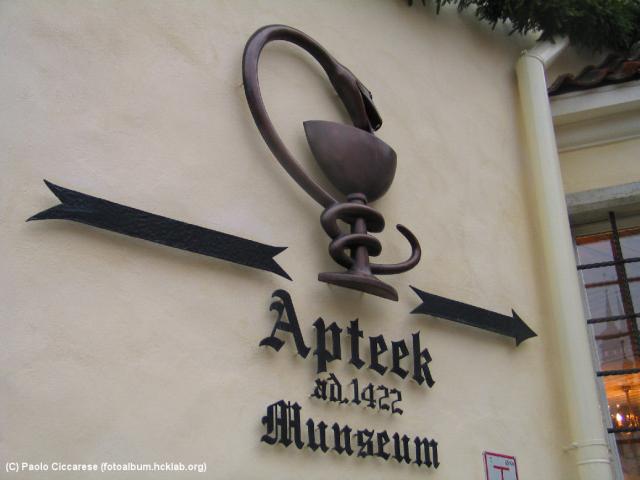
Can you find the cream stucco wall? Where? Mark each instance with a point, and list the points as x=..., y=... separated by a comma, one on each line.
x=117, y=350
x=600, y=151
x=601, y=166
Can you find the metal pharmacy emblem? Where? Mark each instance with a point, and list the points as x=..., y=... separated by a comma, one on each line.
x=360, y=166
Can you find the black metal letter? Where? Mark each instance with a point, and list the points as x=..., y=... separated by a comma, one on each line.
x=404, y=454
x=365, y=442
x=383, y=439
x=424, y=445
x=399, y=351
x=321, y=351
x=378, y=346
x=335, y=389
x=311, y=433
x=346, y=435
x=421, y=361
x=280, y=306
x=273, y=420
x=283, y=423
x=356, y=334
x=320, y=390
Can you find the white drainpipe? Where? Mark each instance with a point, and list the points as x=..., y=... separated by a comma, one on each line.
x=588, y=436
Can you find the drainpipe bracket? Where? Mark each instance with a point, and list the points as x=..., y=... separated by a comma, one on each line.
x=527, y=53
x=587, y=443
x=594, y=460
x=547, y=51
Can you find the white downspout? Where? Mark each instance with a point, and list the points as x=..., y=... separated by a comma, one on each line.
x=588, y=436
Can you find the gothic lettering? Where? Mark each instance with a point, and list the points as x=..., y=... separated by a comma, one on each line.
x=335, y=390
x=421, y=359
x=399, y=350
x=320, y=389
x=324, y=356
x=401, y=448
x=356, y=334
x=342, y=439
x=383, y=439
x=373, y=396
x=378, y=346
x=292, y=326
x=365, y=443
x=282, y=424
x=329, y=350
x=321, y=443
x=426, y=449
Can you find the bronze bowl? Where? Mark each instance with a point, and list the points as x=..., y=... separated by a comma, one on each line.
x=355, y=161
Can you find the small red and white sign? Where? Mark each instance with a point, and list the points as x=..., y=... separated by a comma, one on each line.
x=500, y=467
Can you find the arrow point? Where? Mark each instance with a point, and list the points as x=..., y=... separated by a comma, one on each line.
x=521, y=330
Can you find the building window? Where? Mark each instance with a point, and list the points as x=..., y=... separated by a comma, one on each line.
x=609, y=266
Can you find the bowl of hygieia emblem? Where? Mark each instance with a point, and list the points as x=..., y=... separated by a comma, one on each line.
x=354, y=160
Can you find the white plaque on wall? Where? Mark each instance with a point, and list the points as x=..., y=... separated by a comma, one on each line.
x=500, y=467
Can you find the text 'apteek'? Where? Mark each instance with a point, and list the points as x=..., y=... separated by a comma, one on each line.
x=326, y=352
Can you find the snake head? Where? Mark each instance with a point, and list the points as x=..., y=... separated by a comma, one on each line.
x=375, y=120
x=357, y=98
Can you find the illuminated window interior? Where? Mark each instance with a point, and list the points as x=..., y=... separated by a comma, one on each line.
x=609, y=266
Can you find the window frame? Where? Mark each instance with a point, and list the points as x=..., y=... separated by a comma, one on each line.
x=612, y=224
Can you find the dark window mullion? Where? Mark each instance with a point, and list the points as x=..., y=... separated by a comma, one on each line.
x=623, y=430
x=611, y=319
x=623, y=371
x=625, y=291
x=612, y=263
x=608, y=283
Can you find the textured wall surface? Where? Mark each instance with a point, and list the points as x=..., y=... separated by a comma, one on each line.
x=113, y=349
x=602, y=166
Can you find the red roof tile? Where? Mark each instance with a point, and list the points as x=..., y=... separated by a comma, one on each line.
x=614, y=69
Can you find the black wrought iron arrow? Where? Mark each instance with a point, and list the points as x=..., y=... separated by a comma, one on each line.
x=474, y=316
x=82, y=208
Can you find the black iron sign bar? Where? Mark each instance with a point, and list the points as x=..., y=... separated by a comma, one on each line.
x=97, y=212
x=510, y=326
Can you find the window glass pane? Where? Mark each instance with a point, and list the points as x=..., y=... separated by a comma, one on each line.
x=604, y=301
x=635, y=295
x=623, y=398
x=592, y=277
x=630, y=243
x=629, y=451
x=617, y=344
x=594, y=249
x=633, y=271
